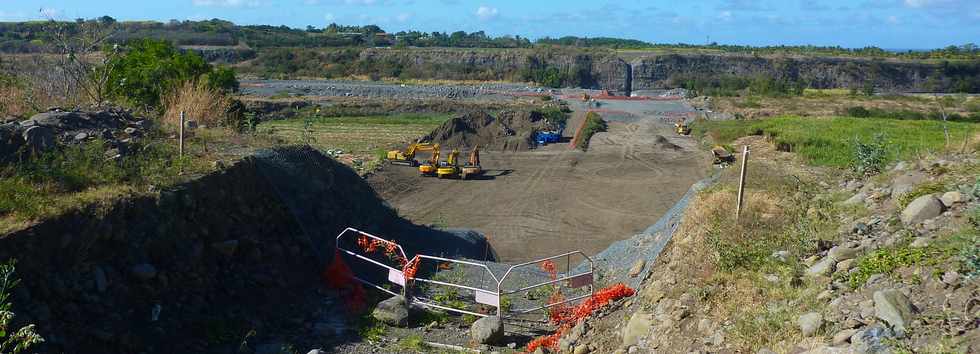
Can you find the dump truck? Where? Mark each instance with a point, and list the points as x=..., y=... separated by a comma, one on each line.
x=450, y=168
x=407, y=157
x=472, y=166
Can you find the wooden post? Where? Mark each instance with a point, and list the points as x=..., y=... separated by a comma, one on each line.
x=741, y=183
x=180, y=136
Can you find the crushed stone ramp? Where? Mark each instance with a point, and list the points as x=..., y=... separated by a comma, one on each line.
x=614, y=262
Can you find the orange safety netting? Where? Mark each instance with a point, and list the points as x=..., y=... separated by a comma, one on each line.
x=338, y=276
x=565, y=318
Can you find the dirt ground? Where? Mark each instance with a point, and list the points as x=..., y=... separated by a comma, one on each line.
x=553, y=199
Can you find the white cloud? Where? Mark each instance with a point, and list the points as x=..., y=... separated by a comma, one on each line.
x=403, y=17
x=12, y=16
x=329, y=17
x=929, y=3
x=360, y=2
x=487, y=13
x=893, y=20
x=227, y=3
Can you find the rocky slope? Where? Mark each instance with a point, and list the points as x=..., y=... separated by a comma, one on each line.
x=876, y=275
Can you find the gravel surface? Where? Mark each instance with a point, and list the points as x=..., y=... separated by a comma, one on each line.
x=340, y=88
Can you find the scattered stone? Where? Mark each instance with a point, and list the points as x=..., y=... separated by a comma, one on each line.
x=316, y=351
x=825, y=295
x=856, y=199
x=101, y=282
x=81, y=136
x=269, y=348
x=144, y=271
x=765, y=351
x=952, y=198
x=843, y=337
x=894, y=308
x=581, y=349
x=810, y=323
x=487, y=330
x=637, y=328
x=901, y=166
x=393, y=311
x=921, y=209
x=226, y=248
x=637, y=267
x=130, y=131
x=951, y=278
x=772, y=278
x=846, y=265
x=860, y=228
x=823, y=349
x=871, y=340
x=845, y=252
x=823, y=267
x=782, y=256
x=921, y=242
x=853, y=185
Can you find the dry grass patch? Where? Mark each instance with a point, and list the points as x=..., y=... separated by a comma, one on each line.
x=206, y=106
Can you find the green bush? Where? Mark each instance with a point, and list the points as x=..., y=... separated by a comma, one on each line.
x=12, y=341
x=150, y=68
x=884, y=261
x=870, y=157
x=593, y=124
x=858, y=112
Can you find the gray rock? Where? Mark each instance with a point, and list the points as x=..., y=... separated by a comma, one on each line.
x=901, y=166
x=782, y=256
x=81, y=136
x=846, y=265
x=856, y=199
x=810, y=323
x=227, y=248
x=393, y=312
x=487, y=330
x=846, y=251
x=823, y=267
x=894, y=308
x=38, y=139
x=921, y=242
x=853, y=185
x=101, y=282
x=871, y=340
x=316, y=351
x=843, y=337
x=637, y=267
x=269, y=348
x=765, y=351
x=951, y=277
x=952, y=198
x=921, y=209
x=860, y=228
x=636, y=328
x=144, y=271
x=906, y=182
x=581, y=349
x=823, y=349
x=130, y=131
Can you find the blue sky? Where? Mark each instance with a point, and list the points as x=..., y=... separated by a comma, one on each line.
x=857, y=23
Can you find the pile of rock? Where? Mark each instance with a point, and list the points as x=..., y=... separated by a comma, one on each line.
x=44, y=131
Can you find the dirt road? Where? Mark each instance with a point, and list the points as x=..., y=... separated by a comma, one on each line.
x=554, y=199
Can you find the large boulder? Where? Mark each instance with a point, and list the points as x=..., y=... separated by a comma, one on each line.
x=921, y=209
x=11, y=141
x=38, y=139
x=906, y=182
x=846, y=251
x=487, y=330
x=823, y=267
x=58, y=120
x=393, y=312
x=952, y=198
x=894, y=308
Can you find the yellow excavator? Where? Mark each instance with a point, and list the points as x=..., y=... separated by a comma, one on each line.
x=428, y=168
x=407, y=157
x=451, y=167
x=682, y=128
x=472, y=167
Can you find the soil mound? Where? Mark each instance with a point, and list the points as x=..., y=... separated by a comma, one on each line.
x=509, y=130
x=665, y=144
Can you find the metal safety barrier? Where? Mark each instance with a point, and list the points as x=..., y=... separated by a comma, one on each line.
x=569, y=279
x=394, y=275
x=488, y=292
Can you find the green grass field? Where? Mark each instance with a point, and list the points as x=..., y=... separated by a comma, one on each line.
x=364, y=137
x=829, y=141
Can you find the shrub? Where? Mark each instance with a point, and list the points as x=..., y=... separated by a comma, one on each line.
x=593, y=124
x=858, y=112
x=199, y=102
x=884, y=261
x=150, y=69
x=12, y=341
x=870, y=157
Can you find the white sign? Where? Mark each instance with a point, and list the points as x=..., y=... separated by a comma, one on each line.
x=488, y=298
x=396, y=277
